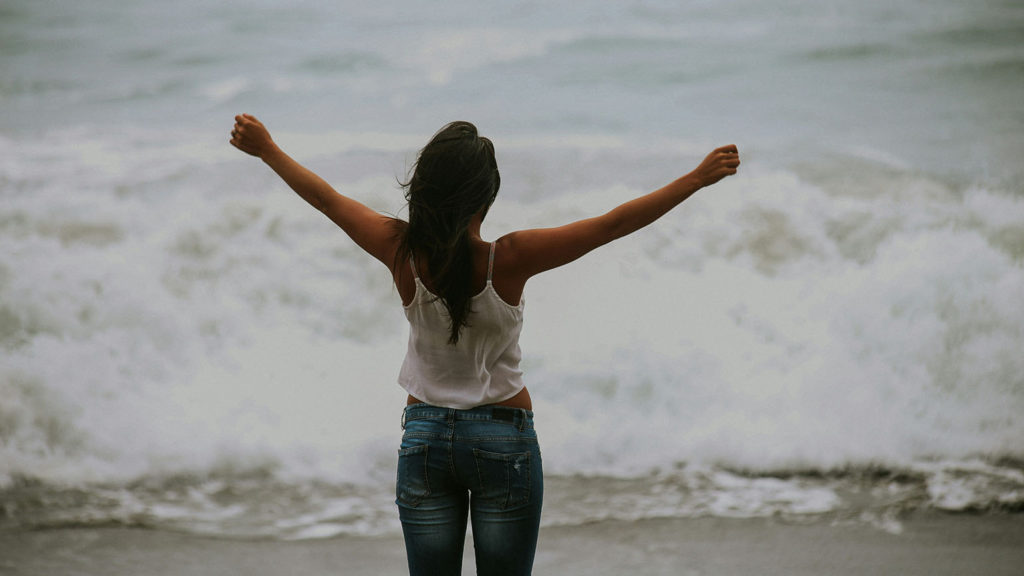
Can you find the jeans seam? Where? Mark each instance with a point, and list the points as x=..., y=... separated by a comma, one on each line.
x=528, y=488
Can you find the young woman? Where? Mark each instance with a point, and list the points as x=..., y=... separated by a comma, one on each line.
x=469, y=448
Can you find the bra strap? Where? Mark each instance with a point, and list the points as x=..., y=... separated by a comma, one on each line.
x=490, y=263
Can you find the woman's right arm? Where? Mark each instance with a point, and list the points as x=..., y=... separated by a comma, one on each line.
x=373, y=232
x=535, y=251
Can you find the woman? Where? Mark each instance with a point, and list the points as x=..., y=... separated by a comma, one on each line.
x=469, y=448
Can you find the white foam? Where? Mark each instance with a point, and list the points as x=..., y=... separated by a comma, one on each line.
x=226, y=89
x=770, y=323
x=800, y=358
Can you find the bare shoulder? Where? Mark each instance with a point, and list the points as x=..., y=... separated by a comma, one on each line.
x=509, y=277
x=390, y=254
x=509, y=253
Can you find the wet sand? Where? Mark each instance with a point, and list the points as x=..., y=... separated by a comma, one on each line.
x=929, y=544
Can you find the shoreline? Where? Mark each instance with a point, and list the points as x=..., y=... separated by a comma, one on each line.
x=931, y=544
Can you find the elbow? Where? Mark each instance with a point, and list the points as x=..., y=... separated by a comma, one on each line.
x=619, y=224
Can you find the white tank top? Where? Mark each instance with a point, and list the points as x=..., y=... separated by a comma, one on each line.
x=482, y=368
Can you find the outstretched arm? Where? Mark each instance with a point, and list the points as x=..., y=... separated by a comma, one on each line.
x=372, y=231
x=543, y=249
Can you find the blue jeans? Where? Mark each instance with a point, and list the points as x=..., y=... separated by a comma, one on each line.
x=483, y=463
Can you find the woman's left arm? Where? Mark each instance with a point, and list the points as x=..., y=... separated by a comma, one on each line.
x=372, y=231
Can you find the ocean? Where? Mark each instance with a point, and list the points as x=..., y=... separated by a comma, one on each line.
x=836, y=332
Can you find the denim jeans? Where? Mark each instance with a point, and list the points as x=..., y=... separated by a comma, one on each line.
x=483, y=463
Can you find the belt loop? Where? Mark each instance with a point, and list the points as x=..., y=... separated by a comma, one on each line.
x=521, y=415
x=403, y=417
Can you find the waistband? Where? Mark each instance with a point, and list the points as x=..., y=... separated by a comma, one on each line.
x=520, y=418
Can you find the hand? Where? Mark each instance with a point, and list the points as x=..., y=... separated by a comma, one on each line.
x=250, y=136
x=721, y=163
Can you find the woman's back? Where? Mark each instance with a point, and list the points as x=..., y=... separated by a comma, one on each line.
x=507, y=285
x=483, y=366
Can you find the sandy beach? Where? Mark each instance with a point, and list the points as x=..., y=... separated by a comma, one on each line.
x=930, y=544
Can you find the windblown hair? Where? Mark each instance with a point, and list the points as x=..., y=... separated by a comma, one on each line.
x=454, y=178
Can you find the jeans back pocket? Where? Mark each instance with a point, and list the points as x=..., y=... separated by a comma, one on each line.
x=504, y=479
x=413, y=485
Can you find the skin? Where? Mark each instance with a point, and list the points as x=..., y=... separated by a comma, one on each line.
x=519, y=255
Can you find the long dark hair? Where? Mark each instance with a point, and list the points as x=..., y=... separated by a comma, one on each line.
x=454, y=178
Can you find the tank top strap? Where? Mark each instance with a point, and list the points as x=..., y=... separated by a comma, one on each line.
x=490, y=263
x=412, y=263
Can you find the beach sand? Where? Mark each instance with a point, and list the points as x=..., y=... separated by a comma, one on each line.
x=929, y=544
